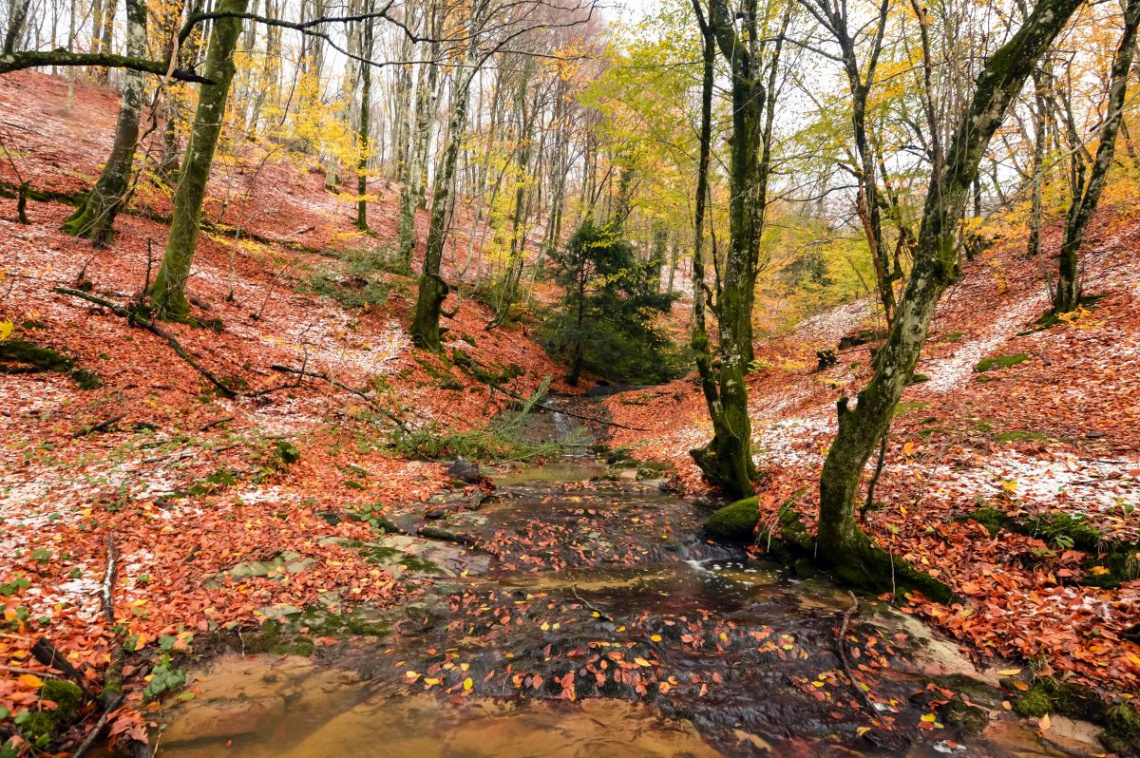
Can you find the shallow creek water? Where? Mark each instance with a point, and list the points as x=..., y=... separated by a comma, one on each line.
x=578, y=617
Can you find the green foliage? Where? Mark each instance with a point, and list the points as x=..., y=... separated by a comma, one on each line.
x=605, y=321
x=163, y=678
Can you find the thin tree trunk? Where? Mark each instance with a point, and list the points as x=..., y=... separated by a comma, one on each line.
x=363, y=136
x=1086, y=197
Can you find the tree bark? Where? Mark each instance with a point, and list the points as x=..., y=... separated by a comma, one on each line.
x=364, y=136
x=427, y=97
x=95, y=217
x=433, y=290
x=726, y=460
x=1067, y=296
x=18, y=14
x=842, y=544
x=168, y=293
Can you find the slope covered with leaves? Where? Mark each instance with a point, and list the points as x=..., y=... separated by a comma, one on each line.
x=193, y=483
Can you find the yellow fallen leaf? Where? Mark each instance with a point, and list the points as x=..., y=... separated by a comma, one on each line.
x=1045, y=722
x=929, y=718
x=468, y=684
x=655, y=637
x=1009, y=672
x=642, y=662
x=31, y=681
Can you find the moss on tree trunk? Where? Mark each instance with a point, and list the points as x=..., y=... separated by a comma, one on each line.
x=94, y=219
x=842, y=545
x=168, y=293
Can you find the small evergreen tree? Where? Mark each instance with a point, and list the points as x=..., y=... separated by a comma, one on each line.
x=604, y=322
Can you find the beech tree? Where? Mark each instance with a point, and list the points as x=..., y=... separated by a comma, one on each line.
x=168, y=293
x=1088, y=181
x=726, y=460
x=843, y=546
x=95, y=216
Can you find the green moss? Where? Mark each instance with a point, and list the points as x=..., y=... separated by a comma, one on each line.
x=992, y=519
x=967, y=719
x=44, y=725
x=1035, y=703
x=1000, y=362
x=20, y=357
x=1021, y=436
x=734, y=522
x=1122, y=729
x=65, y=695
x=906, y=407
x=953, y=337
x=418, y=564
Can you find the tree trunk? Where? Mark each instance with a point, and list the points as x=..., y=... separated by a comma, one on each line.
x=842, y=544
x=1067, y=296
x=433, y=290
x=727, y=459
x=17, y=15
x=426, y=104
x=168, y=293
x=95, y=217
x=363, y=136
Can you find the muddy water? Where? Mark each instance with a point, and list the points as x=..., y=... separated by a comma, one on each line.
x=591, y=620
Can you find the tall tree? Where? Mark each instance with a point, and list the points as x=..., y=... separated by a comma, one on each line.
x=726, y=460
x=1088, y=182
x=364, y=138
x=833, y=15
x=842, y=544
x=168, y=293
x=433, y=289
x=95, y=217
x=427, y=98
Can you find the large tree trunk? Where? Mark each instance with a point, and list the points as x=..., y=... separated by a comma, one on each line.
x=95, y=217
x=168, y=293
x=1067, y=296
x=433, y=290
x=842, y=544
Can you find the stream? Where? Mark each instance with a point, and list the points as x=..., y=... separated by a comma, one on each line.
x=578, y=612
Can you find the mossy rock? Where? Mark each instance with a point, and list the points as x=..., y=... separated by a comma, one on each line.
x=967, y=719
x=44, y=725
x=1070, y=699
x=1035, y=703
x=736, y=522
x=1000, y=362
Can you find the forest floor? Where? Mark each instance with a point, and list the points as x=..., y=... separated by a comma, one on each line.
x=228, y=512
